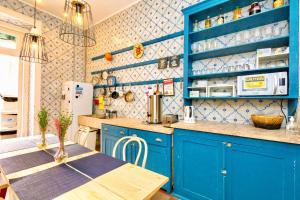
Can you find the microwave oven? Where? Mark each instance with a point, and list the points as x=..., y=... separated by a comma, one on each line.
x=263, y=84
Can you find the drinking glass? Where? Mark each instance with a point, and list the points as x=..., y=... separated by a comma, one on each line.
x=257, y=35
x=276, y=30
x=239, y=38
x=194, y=47
x=267, y=31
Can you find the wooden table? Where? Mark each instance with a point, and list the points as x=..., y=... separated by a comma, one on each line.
x=127, y=182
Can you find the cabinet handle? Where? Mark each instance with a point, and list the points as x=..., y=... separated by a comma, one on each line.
x=224, y=172
x=122, y=132
x=158, y=140
x=106, y=129
x=228, y=144
x=134, y=135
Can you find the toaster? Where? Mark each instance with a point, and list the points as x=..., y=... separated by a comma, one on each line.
x=169, y=119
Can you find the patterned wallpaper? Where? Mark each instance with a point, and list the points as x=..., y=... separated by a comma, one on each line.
x=66, y=61
x=150, y=19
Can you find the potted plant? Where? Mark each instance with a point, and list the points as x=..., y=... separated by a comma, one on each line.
x=43, y=123
x=62, y=124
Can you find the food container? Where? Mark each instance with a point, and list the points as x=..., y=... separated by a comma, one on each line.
x=278, y=3
x=267, y=121
x=237, y=13
x=254, y=8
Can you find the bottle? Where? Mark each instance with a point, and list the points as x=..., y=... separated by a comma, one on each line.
x=237, y=13
x=195, y=26
x=278, y=3
x=208, y=22
x=291, y=126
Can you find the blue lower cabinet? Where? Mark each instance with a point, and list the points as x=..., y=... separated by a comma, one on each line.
x=197, y=167
x=218, y=167
x=159, y=153
x=110, y=135
x=260, y=172
x=159, y=149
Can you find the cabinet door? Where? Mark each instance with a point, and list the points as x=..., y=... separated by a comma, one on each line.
x=110, y=135
x=259, y=172
x=159, y=157
x=197, y=166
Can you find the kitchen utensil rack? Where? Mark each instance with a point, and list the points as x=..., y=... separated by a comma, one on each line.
x=212, y=8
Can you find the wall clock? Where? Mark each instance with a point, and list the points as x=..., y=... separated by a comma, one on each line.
x=138, y=51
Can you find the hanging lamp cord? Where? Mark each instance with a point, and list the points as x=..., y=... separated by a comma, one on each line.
x=34, y=23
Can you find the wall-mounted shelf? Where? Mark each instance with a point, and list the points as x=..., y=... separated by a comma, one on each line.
x=256, y=20
x=241, y=97
x=238, y=73
x=213, y=8
x=243, y=48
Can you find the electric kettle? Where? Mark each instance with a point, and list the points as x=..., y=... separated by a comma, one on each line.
x=189, y=116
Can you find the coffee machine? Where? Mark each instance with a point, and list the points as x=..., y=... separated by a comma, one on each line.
x=154, y=110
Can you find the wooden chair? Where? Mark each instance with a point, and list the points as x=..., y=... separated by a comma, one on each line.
x=3, y=184
x=129, y=139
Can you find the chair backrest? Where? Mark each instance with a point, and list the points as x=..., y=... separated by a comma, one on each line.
x=129, y=139
x=82, y=135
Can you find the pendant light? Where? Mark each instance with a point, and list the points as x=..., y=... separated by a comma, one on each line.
x=33, y=47
x=77, y=25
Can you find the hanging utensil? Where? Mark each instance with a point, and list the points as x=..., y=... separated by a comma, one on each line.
x=115, y=94
x=129, y=96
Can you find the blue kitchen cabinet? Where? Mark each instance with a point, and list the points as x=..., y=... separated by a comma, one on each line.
x=110, y=135
x=159, y=153
x=260, y=172
x=159, y=149
x=213, y=166
x=197, y=167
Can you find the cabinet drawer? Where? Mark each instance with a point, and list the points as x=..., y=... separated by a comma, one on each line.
x=152, y=137
x=114, y=130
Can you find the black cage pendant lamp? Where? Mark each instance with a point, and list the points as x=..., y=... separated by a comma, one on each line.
x=33, y=47
x=77, y=25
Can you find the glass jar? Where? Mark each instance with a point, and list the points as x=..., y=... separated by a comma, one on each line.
x=237, y=13
x=278, y=3
x=208, y=22
x=220, y=20
x=254, y=8
x=195, y=26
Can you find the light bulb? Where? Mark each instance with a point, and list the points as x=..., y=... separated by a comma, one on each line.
x=79, y=18
x=34, y=42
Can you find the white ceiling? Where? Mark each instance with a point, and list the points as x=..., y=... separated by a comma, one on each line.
x=101, y=9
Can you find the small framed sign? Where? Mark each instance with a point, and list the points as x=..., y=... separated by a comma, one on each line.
x=163, y=63
x=174, y=61
x=168, y=87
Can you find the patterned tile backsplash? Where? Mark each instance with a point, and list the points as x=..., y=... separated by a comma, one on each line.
x=150, y=19
x=66, y=62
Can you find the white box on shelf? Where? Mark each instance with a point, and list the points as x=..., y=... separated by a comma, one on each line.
x=232, y=93
x=267, y=55
x=194, y=93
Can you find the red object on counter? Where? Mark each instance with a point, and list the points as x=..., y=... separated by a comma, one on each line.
x=96, y=102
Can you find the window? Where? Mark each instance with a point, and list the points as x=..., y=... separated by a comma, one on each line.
x=9, y=73
x=8, y=41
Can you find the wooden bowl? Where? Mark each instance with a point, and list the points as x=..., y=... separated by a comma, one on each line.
x=267, y=121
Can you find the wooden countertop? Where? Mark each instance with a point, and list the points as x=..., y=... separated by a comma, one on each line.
x=93, y=121
x=239, y=130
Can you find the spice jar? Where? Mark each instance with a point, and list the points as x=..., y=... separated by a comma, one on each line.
x=237, y=13
x=208, y=22
x=278, y=3
x=254, y=8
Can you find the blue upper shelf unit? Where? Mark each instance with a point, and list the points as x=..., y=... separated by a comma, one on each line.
x=260, y=19
x=213, y=8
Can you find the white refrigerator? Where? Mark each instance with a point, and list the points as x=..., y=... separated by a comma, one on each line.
x=76, y=99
